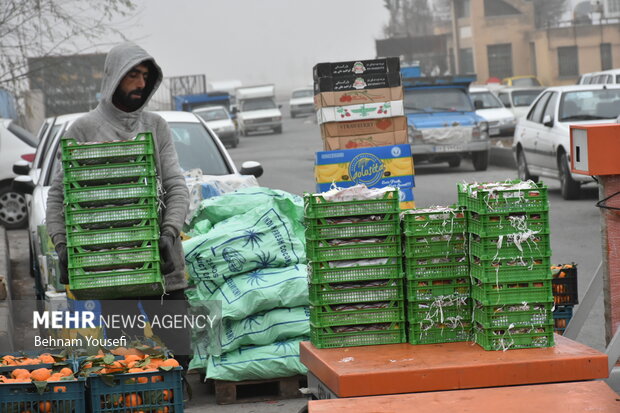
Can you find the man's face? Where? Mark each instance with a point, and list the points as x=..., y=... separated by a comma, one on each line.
x=129, y=93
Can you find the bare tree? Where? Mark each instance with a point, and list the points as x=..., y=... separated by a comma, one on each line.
x=548, y=12
x=39, y=28
x=408, y=18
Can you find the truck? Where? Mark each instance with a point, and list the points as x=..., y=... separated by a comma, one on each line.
x=200, y=100
x=442, y=125
x=257, y=110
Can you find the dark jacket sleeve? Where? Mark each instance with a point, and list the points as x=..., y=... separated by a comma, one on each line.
x=176, y=194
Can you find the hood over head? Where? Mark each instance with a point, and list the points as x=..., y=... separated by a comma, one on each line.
x=118, y=63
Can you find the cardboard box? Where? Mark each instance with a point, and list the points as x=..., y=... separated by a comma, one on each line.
x=356, y=97
x=365, y=141
x=356, y=82
x=374, y=167
x=358, y=67
x=376, y=110
x=363, y=127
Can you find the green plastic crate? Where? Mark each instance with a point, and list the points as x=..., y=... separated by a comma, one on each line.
x=324, y=272
x=513, y=292
x=108, y=260
x=123, y=173
x=493, y=225
x=526, y=269
x=113, y=238
x=323, y=250
x=504, y=338
x=428, y=334
x=107, y=152
x=494, y=197
x=106, y=195
x=510, y=246
x=145, y=281
x=435, y=245
x=437, y=267
x=358, y=313
x=326, y=228
x=387, y=333
x=517, y=314
x=439, y=311
x=110, y=217
x=423, y=290
x=356, y=292
x=316, y=206
x=434, y=221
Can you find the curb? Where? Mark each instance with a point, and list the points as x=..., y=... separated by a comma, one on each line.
x=6, y=304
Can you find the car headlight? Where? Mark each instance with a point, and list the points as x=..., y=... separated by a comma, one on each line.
x=480, y=131
x=277, y=118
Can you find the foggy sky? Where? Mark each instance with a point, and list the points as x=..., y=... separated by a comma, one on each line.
x=257, y=41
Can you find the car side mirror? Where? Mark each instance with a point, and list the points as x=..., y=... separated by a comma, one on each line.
x=547, y=121
x=279, y=106
x=234, y=110
x=21, y=168
x=251, y=168
x=478, y=104
x=23, y=184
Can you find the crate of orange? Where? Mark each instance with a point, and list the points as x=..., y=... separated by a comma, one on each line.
x=42, y=390
x=132, y=381
x=33, y=360
x=565, y=284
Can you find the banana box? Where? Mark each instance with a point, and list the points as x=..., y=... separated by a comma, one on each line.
x=377, y=167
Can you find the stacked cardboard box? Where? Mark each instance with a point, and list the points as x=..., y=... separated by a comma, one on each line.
x=111, y=215
x=437, y=272
x=355, y=270
x=360, y=103
x=509, y=255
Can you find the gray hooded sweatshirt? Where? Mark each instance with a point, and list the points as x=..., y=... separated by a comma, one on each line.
x=107, y=122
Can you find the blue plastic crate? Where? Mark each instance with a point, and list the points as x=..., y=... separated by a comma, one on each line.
x=58, y=396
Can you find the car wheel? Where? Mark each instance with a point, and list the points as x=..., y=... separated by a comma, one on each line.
x=522, y=169
x=569, y=187
x=480, y=160
x=13, y=211
x=454, y=162
x=293, y=115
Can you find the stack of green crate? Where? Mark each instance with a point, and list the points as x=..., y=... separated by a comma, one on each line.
x=438, y=282
x=111, y=214
x=509, y=254
x=355, y=271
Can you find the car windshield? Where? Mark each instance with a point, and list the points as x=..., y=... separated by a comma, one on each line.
x=437, y=100
x=590, y=105
x=197, y=149
x=213, y=114
x=303, y=93
x=525, y=81
x=257, y=104
x=488, y=100
x=524, y=97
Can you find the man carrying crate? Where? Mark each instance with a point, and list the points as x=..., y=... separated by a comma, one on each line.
x=131, y=77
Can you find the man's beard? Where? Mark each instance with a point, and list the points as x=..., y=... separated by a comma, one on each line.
x=127, y=101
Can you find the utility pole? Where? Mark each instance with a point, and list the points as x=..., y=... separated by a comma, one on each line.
x=455, y=38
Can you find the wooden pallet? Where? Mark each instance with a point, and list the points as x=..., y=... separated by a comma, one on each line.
x=248, y=391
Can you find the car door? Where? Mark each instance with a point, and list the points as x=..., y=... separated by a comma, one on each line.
x=531, y=129
x=547, y=138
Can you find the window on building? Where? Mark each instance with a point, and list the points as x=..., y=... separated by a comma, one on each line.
x=613, y=8
x=500, y=60
x=606, y=56
x=499, y=8
x=568, y=61
x=463, y=8
x=533, y=65
x=467, y=61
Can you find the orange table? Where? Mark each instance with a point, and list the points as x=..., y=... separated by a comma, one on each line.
x=587, y=396
x=404, y=368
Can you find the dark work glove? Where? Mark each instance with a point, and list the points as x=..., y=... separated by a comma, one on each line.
x=166, y=252
x=63, y=261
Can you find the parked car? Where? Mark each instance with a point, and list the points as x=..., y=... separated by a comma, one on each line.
x=15, y=143
x=220, y=122
x=302, y=102
x=522, y=81
x=542, y=139
x=501, y=120
x=197, y=147
x=605, y=77
x=518, y=99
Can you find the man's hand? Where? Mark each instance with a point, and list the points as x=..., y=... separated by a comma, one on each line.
x=166, y=252
x=63, y=261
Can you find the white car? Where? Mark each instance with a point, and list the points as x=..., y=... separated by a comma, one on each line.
x=15, y=143
x=302, y=102
x=501, y=120
x=542, y=139
x=220, y=122
x=518, y=99
x=196, y=145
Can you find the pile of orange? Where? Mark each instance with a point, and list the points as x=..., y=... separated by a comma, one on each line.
x=42, y=374
x=45, y=358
